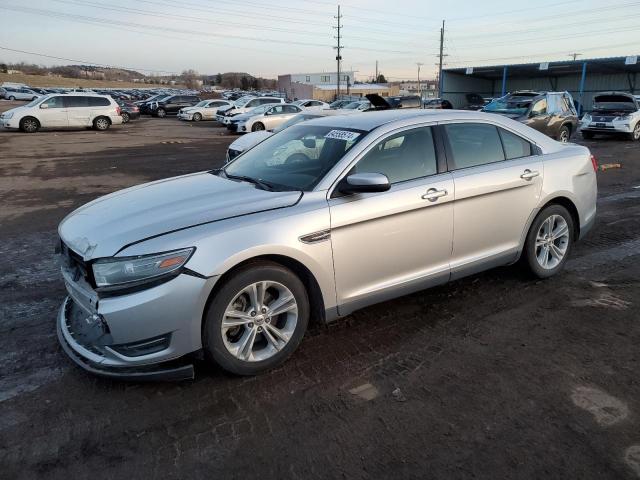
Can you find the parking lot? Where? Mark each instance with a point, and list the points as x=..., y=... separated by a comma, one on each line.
x=494, y=376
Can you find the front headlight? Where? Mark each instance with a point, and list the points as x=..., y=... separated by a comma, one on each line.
x=128, y=270
x=623, y=117
x=7, y=115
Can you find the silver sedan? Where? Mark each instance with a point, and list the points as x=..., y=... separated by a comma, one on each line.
x=318, y=220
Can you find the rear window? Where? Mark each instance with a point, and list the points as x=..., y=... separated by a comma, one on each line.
x=514, y=145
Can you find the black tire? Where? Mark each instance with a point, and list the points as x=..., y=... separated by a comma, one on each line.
x=635, y=135
x=257, y=127
x=101, y=123
x=161, y=113
x=197, y=117
x=212, y=336
x=125, y=117
x=530, y=249
x=29, y=125
x=588, y=135
x=12, y=97
x=564, y=134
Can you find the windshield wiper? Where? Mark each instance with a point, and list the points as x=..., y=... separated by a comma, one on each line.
x=256, y=181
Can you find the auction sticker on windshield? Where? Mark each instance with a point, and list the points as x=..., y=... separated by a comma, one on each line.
x=342, y=135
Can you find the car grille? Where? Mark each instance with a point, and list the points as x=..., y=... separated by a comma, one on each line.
x=602, y=118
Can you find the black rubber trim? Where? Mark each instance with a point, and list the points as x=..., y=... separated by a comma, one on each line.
x=172, y=371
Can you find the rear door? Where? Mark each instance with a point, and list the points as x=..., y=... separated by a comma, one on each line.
x=54, y=114
x=78, y=111
x=498, y=180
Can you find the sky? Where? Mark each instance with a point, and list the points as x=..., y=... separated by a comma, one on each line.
x=268, y=38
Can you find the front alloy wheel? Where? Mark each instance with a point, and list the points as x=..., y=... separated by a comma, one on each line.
x=257, y=319
x=197, y=117
x=564, y=135
x=635, y=135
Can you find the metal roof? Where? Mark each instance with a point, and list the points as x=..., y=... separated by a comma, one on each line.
x=604, y=65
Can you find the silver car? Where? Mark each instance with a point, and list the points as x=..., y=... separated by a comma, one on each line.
x=321, y=219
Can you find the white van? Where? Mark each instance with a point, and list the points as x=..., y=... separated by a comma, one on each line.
x=74, y=110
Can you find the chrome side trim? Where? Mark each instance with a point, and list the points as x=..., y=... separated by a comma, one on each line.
x=316, y=237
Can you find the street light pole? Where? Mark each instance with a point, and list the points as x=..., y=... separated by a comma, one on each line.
x=419, y=89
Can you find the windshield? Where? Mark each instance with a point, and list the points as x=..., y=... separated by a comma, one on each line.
x=297, y=102
x=242, y=101
x=258, y=110
x=203, y=103
x=294, y=120
x=296, y=158
x=353, y=105
x=35, y=101
x=512, y=105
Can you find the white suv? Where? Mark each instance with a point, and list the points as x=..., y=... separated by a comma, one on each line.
x=250, y=105
x=64, y=111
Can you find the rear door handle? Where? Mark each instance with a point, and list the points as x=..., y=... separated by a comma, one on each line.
x=528, y=174
x=432, y=194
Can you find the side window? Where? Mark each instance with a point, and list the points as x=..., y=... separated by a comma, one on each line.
x=514, y=145
x=99, y=102
x=540, y=107
x=252, y=103
x=276, y=110
x=404, y=156
x=290, y=109
x=75, y=102
x=474, y=144
x=265, y=101
x=54, y=102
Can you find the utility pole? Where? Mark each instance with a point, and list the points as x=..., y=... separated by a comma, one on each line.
x=339, y=51
x=441, y=56
x=376, y=79
x=575, y=55
x=419, y=89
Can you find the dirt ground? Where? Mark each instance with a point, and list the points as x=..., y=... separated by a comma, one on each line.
x=494, y=376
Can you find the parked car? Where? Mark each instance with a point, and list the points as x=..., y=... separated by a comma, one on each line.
x=311, y=104
x=339, y=104
x=360, y=105
x=266, y=117
x=172, y=104
x=237, y=109
x=613, y=113
x=73, y=110
x=474, y=101
x=235, y=262
x=385, y=103
x=552, y=113
x=128, y=111
x=437, y=104
x=145, y=106
x=205, y=110
x=20, y=93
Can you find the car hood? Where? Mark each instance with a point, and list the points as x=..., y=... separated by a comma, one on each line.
x=245, y=116
x=16, y=110
x=248, y=140
x=104, y=226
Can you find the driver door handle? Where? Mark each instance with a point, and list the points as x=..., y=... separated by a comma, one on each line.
x=432, y=194
x=528, y=174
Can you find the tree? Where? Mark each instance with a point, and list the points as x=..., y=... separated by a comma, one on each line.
x=244, y=83
x=218, y=80
x=381, y=79
x=191, y=78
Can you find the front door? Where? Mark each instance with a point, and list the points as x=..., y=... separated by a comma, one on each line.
x=498, y=179
x=391, y=243
x=53, y=113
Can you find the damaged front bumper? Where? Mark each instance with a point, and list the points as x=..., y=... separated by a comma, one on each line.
x=74, y=324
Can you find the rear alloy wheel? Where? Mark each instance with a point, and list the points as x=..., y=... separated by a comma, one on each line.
x=29, y=125
x=101, y=123
x=161, y=112
x=635, y=135
x=549, y=241
x=257, y=319
x=257, y=127
x=197, y=117
x=564, y=135
x=125, y=117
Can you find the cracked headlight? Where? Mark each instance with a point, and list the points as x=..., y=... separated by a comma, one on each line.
x=125, y=271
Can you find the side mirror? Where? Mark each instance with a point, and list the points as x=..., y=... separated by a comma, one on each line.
x=44, y=105
x=365, y=183
x=309, y=142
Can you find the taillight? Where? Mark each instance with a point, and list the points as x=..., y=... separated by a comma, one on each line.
x=594, y=162
x=118, y=110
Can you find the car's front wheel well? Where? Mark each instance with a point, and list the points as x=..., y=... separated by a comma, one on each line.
x=570, y=206
x=316, y=300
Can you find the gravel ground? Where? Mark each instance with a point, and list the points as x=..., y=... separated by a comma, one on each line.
x=493, y=376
